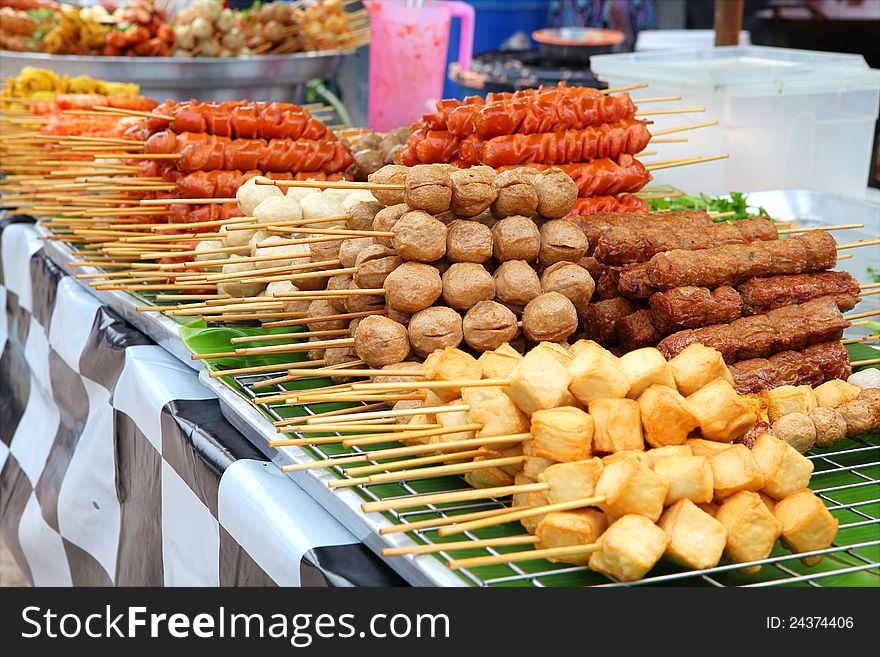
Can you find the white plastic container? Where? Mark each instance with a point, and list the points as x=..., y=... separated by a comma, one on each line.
x=668, y=39
x=788, y=118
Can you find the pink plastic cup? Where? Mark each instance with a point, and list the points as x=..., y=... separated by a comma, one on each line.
x=408, y=47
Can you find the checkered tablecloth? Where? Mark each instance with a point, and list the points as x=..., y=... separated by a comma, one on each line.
x=117, y=466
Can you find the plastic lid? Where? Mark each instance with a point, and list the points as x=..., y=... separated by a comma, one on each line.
x=743, y=70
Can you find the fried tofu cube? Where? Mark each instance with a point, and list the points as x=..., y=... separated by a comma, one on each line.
x=520, y=479
x=768, y=501
x=559, y=352
x=654, y=455
x=643, y=368
x=451, y=364
x=500, y=363
x=616, y=425
x=629, y=548
x=579, y=346
x=697, y=366
x=534, y=499
x=637, y=455
x=475, y=395
x=666, y=416
x=538, y=382
x=785, y=469
x=488, y=477
x=709, y=507
x=789, y=399
x=752, y=529
x=734, y=470
x=571, y=481
x=514, y=450
x=759, y=401
x=417, y=420
x=630, y=487
x=499, y=417
x=565, y=528
x=834, y=393
x=689, y=478
x=451, y=420
x=696, y=539
x=722, y=414
x=561, y=434
x=535, y=465
x=707, y=448
x=596, y=374
x=807, y=524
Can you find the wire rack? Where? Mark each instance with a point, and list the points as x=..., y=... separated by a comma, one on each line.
x=846, y=478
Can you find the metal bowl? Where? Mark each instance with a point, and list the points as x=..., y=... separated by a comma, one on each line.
x=575, y=45
x=263, y=77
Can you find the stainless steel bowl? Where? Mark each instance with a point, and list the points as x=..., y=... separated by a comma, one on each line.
x=264, y=77
x=575, y=45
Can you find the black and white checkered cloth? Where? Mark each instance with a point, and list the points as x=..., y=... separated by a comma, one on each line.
x=117, y=466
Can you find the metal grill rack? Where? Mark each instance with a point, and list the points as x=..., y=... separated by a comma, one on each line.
x=846, y=478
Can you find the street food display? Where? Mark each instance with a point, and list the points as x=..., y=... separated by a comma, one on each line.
x=491, y=295
x=145, y=28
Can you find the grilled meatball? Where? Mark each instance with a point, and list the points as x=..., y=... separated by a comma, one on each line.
x=468, y=241
x=339, y=282
x=380, y=341
x=549, y=317
x=394, y=174
x=830, y=426
x=357, y=303
x=570, y=280
x=413, y=286
x=418, y=236
x=434, y=328
x=466, y=284
x=428, y=188
x=516, y=193
x=322, y=308
x=557, y=193
x=473, y=190
x=386, y=218
x=516, y=283
x=361, y=215
x=350, y=249
x=488, y=325
x=373, y=264
x=339, y=356
x=561, y=241
x=516, y=238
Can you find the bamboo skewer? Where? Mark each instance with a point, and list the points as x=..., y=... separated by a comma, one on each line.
x=439, y=522
x=430, y=548
x=865, y=338
x=695, y=126
x=528, y=555
x=427, y=473
x=513, y=516
x=869, y=361
x=668, y=164
x=455, y=496
x=412, y=462
x=790, y=231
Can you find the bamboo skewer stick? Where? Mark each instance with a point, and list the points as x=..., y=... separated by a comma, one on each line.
x=311, y=320
x=867, y=313
x=256, y=369
x=455, y=496
x=855, y=245
x=869, y=361
x=513, y=516
x=430, y=548
x=413, y=462
x=439, y=522
x=527, y=555
x=695, y=126
x=427, y=473
x=790, y=231
x=864, y=338
x=654, y=166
